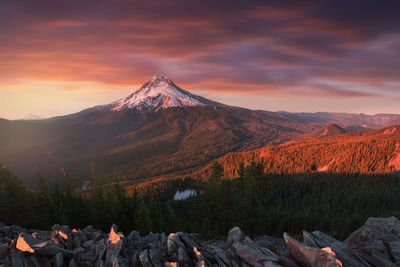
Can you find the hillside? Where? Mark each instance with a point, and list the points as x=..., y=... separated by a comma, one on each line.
x=364, y=152
x=329, y=130
x=160, y=127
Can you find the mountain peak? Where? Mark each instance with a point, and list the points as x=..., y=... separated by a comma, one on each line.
x=159, y=77
x=159, y=93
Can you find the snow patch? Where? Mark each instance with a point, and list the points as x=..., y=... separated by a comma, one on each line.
x=182, y=195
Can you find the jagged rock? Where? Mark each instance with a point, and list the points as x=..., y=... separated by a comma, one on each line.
x=374, y=260
x=183, y=257
x=215, y=254
x=100, y=249
x=395, y=250
x=118, y=262
x=144, y=258
x=3, y=250
x=88, y=229
x=72, y=263
x=235, y=235
x=173, y=243
x=253, y=255
x=155, y=257
x=377, y=243
x=59, y=260
x=309, y=240
x=115, y=241
x=309, y=256
x=274, y=244
x=385, y=229
x=26, y=243
x=88, y=244
x=134, y=236
x=347, y=256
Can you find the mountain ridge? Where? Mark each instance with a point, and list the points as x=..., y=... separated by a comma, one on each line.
x=344, y=153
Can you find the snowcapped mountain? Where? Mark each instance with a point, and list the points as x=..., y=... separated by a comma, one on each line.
x=157, y=94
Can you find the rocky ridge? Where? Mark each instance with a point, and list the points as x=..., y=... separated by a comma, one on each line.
x=376, y=243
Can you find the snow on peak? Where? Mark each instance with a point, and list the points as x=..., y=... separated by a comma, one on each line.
x=156, y=94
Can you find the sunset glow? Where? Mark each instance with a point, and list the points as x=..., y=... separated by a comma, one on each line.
x=58, y=57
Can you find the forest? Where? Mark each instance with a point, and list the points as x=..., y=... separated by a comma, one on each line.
x=257, y=202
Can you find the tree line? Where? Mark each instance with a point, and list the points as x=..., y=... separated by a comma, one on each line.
x=257, y=202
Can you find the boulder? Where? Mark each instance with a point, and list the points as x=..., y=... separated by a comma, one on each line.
x=215, y=254
x=115, y=241
x=253, y=255
x=27, y=243
x=310, y=256
x=235, y=235
x=346, y=255
x=58, y=260
x=155, y=257
x=385, y=229
x=395, y=250
x=173, y=244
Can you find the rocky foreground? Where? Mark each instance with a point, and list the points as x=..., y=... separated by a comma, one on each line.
x=376, y=243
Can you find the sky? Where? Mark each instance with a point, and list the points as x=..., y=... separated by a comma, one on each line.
x=59, y=57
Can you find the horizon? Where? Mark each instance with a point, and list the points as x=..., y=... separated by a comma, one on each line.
x=58, y=59
x=27, y=116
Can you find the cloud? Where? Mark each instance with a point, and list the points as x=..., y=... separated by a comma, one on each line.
x=231, y=46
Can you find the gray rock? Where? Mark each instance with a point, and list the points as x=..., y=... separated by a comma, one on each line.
x=375, y=260
x=134, y=236
x=26, y=243
x=378, y=249
x=235, y=235
x=115, y=241
x=173, y=244
x=215, y=254
x=385, y=229
x=72, y=263
x=155, y=257
x=253, y=255
x=88, y=229
x=58, y=260
x=100, y=249
x=395, y=250
x=3, y=250
x=144, y=258
x=309, y=240
x=183, y=257
x=346, y=255
x=274, y=244
x=310, y=256
x=18, y=260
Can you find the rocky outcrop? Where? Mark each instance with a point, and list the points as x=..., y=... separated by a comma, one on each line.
x=377, y=243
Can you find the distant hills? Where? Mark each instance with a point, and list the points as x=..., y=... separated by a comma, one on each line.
x=363, y=152
x=160, y=130
x=329, y=130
